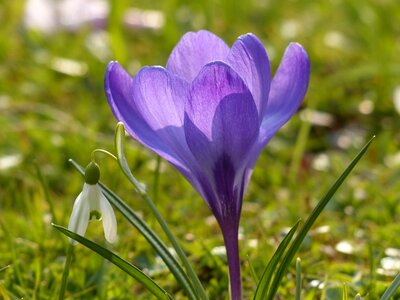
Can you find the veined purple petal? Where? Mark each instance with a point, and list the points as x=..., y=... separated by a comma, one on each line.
x=221, y=125
x=160, y=97
x=151, y=106
x=221, y=116
x=194, y=50
x=250, y=60
x=288, y=89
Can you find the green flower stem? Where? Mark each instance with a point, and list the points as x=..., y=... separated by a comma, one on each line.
x=119, y=145
x=104, y=152
x=67, y=265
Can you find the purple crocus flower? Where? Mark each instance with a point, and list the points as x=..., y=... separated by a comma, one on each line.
x=210, y=113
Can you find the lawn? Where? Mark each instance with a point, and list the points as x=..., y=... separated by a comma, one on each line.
x=53, y=108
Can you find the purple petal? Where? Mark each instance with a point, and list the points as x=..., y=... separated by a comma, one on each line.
x=250, y=60
x=221, y=117
x=194, y=50
x=288, y=89
x=221, y=125
x=151, y=106
x=159, y=97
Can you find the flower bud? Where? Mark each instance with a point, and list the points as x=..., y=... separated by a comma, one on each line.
x=92, y=173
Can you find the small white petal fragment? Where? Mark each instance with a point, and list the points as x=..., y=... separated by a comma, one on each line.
x=336, y=40
x=396, y=99
x=321, y=162
x=290, y=29
x=68, y=66
x=145, y=19
x=317, y=118
x=80, y=214
x=344, y=247
x=109, y=221
x=390, y=263
x=317, y=284
x=219, y=251
x=366, y=107
x=393, y=252
x=10, y=161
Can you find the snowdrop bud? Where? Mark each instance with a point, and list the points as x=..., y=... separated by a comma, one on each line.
x=92, y=173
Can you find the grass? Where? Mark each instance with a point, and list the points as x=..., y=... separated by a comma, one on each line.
x=48, y=116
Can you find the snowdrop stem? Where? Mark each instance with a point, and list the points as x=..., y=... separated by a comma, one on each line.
x=102, y=151
x=67, y=265
x=232, y=253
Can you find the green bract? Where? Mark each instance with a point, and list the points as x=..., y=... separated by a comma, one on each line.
x=92, y=173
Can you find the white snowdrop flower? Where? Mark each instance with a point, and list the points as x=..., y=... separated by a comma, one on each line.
x=91, y=204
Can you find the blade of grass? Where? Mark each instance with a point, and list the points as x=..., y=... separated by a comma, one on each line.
x=298, y=279
x=310, y=221
x=67, y=266
x=344, y=292
x=118, y=44
x=125, y=266
x=149, y=235
x=5, y=268
x=265, y=280
x=392, y=288
x=252, y=272
x=156, y=178
x=300, y=147
x=119, y=146
x=45, y=187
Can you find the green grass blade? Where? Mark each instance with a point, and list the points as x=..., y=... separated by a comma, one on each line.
x=156, y=178
x=266, y=278
x=310, y=221
x=119, y=146
x=344, y=292
x=125, y=266
x=117, y=38
x=392, y=288
x=149, y=235
x=45, y=187
x=5, y=268
x=298, y=279
x=67, y=265
x=252, y=271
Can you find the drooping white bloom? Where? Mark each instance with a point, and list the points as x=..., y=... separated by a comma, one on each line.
x=91, y=204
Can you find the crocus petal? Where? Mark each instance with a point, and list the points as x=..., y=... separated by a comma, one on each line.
x=159, y=97
x=250, y=60
x=221, y=116
x=151, y=106
x=194, y=50
x=221, y=124
x=288, y=89
x=109, y=220
x=79, y=219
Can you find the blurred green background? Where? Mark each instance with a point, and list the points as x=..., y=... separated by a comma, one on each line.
x=52, y=108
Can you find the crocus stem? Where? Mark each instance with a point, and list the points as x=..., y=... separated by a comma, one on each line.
x=232, y=253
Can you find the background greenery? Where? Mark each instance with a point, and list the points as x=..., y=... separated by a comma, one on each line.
x=49, y=114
